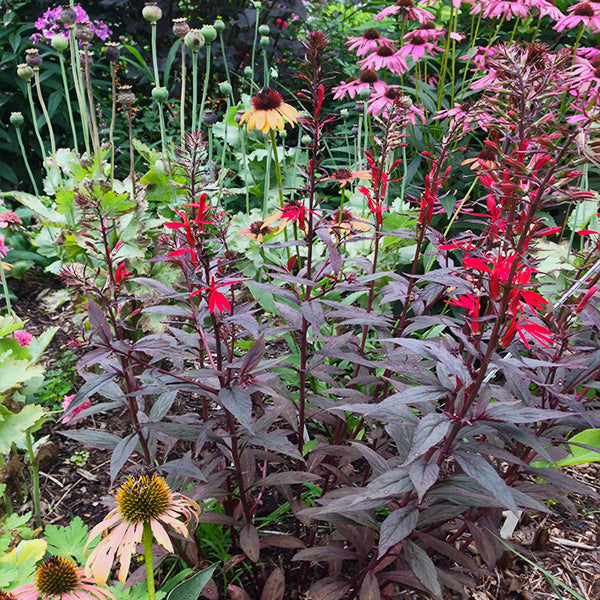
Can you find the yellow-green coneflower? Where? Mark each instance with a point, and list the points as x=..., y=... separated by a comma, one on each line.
x=59, y=579
x=146, y=508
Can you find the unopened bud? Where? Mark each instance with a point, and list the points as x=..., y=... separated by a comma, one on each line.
x=264, y=42
x=24, y=71
x=16, y=119
x=264, y=30
x=306, y=139
x=225, y=88
x=209, y=33
x=59, y=42
x=126, y=97
x=194, y=40
x=112, y=52
x=160, y=94
x=33, y=58
x=248, y=72
x=283, y=134
x=68, y=16
x=180, y=27
x=344, y=113
x=364, y=93
x=219, y=26
x=151, y=12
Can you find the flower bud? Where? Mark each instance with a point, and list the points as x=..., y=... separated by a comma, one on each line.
x=264, y=42
x=126, y=97
x=68, y=16
x=83, y=32
x=24, y=71
x=33, y=58
x=248, y=72
x=16, y=119
x=209, y=33
x=344, y=113
x=194, y=40
x=283, y=134
x=151, y=12
x=264, y=30
x=160, y=94
x=59, y=42
x=180, y=27
x=364, y=94
x=112, y=52
x=225, y=88
x=209, y=118
x=306, y=139
x=219, y=26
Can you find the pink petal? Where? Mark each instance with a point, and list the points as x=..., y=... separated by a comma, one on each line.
x=102, y=557
x=26, y=592
x=161, y=536
x=111, y=518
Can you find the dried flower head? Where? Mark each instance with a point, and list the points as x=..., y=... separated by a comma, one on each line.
x=60, y=579
x=126, y=97
x=142, y=500
x=33, y=57
x=180, y=27
x=112, y=52
x=269, y=112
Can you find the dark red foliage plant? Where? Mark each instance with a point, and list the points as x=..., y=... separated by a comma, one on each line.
x=392, y=418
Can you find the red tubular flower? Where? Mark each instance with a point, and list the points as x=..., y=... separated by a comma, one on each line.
x=521, y=326
x=473, y=305
x=217, y=301
x=121, y=273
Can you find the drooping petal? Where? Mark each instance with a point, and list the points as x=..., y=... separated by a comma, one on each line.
x=160, y=535
x=111, y=519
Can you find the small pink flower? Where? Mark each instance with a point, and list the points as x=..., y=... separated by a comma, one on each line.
x=493, y=9
x=23, y=338
x=70, y=416
x=417, y=48
x=381, y=102
x=3, y=247
x=7, y=218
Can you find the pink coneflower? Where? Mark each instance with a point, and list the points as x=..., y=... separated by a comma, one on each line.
x=493, y=9
x=9, y=218
x=427, y=31
x=582, y=13
x=60, y=579
x=367, y=79
x=370, y=41
x=585, y=79
x=385, y=58
x=407, y=10
x=546, y=9
x=383, y=101
x=417, y=48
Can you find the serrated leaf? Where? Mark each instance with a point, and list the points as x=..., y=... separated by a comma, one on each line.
x=14, y=372
x=191, y=588
x=26, y=550
x=14, y=425
x=431, y=429
x=274, y=588
x=423, y=568
x=480, y=470
x=69, y=542
x=397, y=526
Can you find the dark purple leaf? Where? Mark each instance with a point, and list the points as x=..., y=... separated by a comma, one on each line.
x=431, y=429
x=484, y=544
x=330, y=588
x=237, y=593
x=325, y=553
x=183, y=468
x=98, y=321
x=121, y=453
x=369, y=590
x=398, y=525
x=287, y=478
x=423, y=567
x=313, y=313
x=281, y=541
x=250, y=542
x=334, y=256
x=239, y=403
x=423, y=475
x=162, y=406
x=253, y=357
x=274, y=586
x=93, y=437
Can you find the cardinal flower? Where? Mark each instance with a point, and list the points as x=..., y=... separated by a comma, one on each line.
x=142, y=502
x=216, y=300
x=59, y=579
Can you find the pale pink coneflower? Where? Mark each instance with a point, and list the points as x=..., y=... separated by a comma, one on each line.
x=494, y=9
x=367, y=79
x=546, y=9
x=381, y=102
x=417, y=48
x=407, y=10
x=370, y=41
x=385, y=58
x=582, y=13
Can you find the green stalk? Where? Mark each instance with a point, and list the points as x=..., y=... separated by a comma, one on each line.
x=227, y=75
x=265, y=68
x=24, y=155
x=113, y=115
x=147, y=541
x=224, y=149
x=154, y=59
x=34, y=119
x=277, y=166
x=163, y=135
x=78, y=84
x=245, y=164
x=182, y=102
x=34, y=471
x=444, y=65
x=194, y=89
x=63, y=71
x=5, y=289
x=92, y=112
x=38, y=89
x=254, y=48
x=206, y=78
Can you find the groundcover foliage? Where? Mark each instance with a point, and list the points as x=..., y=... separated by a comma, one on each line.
x=387, y=351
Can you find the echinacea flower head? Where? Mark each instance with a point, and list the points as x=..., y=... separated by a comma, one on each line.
x=368, y=79
x=385, y=58
x=407, y=11
x=582, y=13
x=370, y=41
x=269, y=112
x=258, y=229
x=141, y=501
x=59, y=579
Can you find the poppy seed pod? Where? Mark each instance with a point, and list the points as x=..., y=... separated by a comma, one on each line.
x=264, y=30
x=151, y=12
x=209, y=118
x=180, y=27
x=112, y=52
x=225, y=88
x=59, y=42
x=160, y=94
x=126, y=97
x=86, y=59
x=364, y=93
x=209, y=33
x=83, y=32
x=219, y=26
x=264, y=41
x=194, y=40
x=68, y=16
x=33, y=58
x=248, y=72
x=16, y=119
x=24, y=71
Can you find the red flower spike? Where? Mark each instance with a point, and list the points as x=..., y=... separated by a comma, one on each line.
x=217, y=301
x=121, y=273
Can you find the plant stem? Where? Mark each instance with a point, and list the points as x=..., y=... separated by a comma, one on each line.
x=78, y=83
x=277, y=167
x=147, y=540
x=26, y=161
x=38, y=89
x=34, y=471
x=131, y=157
x=5, y=289
x=206, y=78
x=113, y=115
x=182, y=102
x=34, y=119
x=63, y=71
x=194, y=89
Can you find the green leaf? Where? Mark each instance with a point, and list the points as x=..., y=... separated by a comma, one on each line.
x=69, y=542
x=579, y=455
x=14, y=372
x=14, y=425
x=191, y=588
x=36, y=205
